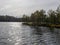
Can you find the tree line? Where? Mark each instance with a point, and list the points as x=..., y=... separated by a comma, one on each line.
x=43, y=17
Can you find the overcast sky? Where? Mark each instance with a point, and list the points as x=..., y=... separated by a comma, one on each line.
x=20, y=7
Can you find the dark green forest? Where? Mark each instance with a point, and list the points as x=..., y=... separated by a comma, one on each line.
x=51, y=17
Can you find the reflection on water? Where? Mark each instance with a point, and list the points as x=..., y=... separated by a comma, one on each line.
x=14, y=33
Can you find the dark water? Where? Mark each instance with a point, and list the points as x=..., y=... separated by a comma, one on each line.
x=14, y=33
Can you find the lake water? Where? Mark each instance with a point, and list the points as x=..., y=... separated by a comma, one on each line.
x=14, y=33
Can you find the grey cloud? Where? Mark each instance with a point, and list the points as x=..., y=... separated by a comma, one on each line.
x=19, y=7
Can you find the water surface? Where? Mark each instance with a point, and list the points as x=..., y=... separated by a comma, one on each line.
x=14, y=33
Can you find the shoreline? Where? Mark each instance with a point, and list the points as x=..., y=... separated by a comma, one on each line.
x=45, y=25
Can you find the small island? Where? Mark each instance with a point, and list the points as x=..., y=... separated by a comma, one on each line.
x=43, y=18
